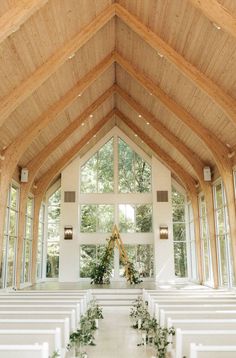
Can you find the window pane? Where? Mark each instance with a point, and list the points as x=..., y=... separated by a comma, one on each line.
x=105, y=168
x=179, y=232
x=218, y=195
x=105, y=218
x=10, y=262
x=27, y=260
x=97, y=174
x=134, y=172
x=127, y=218
x=177, y=198
x=220, y=221
x=87, y=256
x=178, y=213
x=14, y=199
x=55, y=198
x=30, y=207
x=53, y=259
x=180, y=255
x=88, y=216
x=143, y=218
x=223, y=260
x=13, y=223
x=142, y=258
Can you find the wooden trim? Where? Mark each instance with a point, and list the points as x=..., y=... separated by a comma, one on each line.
x=218, y=14
x=222, y=99
x=195, y=207
x=37, y=78
x=11, y=21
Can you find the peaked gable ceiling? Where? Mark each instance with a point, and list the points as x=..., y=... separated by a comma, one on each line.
x=165, y=70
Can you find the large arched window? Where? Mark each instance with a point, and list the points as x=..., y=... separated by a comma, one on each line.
x=116, y=188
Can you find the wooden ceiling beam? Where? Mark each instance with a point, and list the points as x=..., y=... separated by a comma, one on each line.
x=219, y=151
x=43, y=183
x=16, y=149
x=222, y=99
x=217, y=14
x=11, y=21
x=184, y=176
x=11, y=101
x=34, y=165
x=173, y=140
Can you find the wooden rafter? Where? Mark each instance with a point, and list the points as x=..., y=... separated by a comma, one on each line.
x=223, y=100
x=218, y=14
x=11, y=21
x=27, y=87
x=215, y=146
x=16, y=149
x=185, y=177
x=173, y=140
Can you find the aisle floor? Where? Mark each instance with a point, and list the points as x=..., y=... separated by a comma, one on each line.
x=116, y=338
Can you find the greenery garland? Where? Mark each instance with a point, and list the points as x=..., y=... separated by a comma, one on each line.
x=155, y=334
x=84, y=335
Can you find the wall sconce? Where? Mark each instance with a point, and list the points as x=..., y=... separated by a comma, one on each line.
x=68, y=232
x=163, y=232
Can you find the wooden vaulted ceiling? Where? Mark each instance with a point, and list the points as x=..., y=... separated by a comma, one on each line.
x=162, y=69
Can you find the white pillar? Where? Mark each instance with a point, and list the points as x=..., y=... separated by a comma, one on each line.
x=69, y=249
x=162, y=215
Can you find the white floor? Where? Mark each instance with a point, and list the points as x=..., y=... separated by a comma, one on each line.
x=116, y=338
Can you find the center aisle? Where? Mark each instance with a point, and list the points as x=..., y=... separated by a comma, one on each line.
x=116, y=338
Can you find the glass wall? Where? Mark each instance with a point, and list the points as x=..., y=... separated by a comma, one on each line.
x=179, y=233
x=115, y=188
x=205, y=241
x=53, y=229
x=27, y=244
x=41, y=242
x=193, y=267
x=10, y=238
x=224, y=245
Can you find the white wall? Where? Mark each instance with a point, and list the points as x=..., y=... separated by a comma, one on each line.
x=162, y=215
x=69, y=249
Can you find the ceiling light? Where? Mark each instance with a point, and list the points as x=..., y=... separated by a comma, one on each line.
x=218, y=27
x=91, y=116
x=71, y=56
x=135, y=135
x=160, y=54
x=79, y=95
x=94, y=136
x=147, y=123
x=82, y=124
x=150, y=93
x=139, y=116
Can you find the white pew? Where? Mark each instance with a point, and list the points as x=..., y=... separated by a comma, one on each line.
x=22, y=306
x=202, y=323
x=201, y=351
x=187, y=302
x=45, y=300
x=185, y=337
x=26, y=337
x=50, y=314
x=192, y=307
x=63, y=324
x=24, y=351
x=164, y=315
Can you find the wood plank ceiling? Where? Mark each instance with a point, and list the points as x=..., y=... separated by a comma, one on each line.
x=165, y=66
